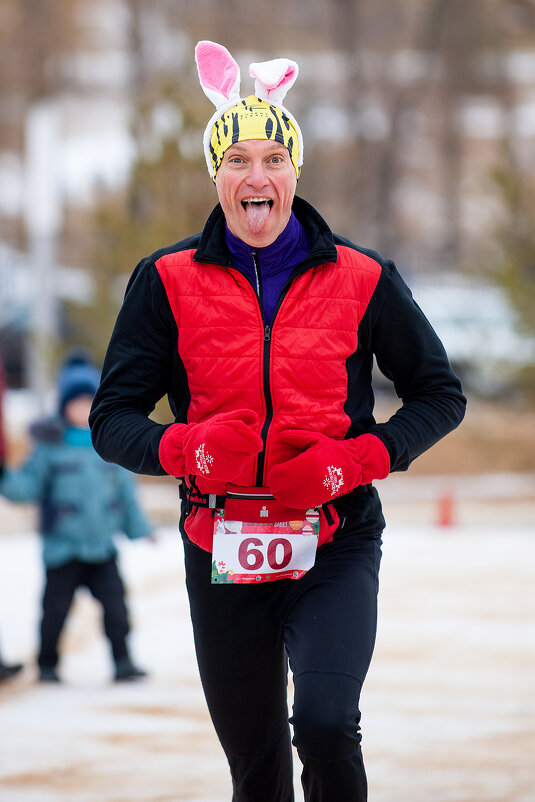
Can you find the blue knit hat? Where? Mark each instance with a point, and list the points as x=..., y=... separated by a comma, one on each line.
x=77, y=376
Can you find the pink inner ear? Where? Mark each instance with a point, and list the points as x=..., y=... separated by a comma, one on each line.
x=288, y=76
x=217, y=69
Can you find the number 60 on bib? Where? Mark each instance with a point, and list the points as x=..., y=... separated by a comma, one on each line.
x=256, y=552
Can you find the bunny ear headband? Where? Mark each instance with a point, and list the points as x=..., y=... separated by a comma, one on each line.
x=259, y=116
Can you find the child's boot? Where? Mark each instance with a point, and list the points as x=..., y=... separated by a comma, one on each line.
x=48, y=674
x=7, y=671
x=126, y=670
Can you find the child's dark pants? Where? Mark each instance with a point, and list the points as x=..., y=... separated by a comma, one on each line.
x=104, y=583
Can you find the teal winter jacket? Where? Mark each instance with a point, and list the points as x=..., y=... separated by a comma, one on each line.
x=83, y=500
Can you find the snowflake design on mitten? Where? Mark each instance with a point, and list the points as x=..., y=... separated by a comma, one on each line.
x=203, y=459
x=334, y=479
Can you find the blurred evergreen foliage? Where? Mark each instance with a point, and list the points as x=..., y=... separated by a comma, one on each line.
x=514, y=250
x=166, y=200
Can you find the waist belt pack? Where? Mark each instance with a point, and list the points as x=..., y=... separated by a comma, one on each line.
x=254, y=504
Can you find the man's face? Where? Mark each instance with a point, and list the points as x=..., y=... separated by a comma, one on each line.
x=256, y=186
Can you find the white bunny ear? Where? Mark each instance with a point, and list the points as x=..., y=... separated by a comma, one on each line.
x=219, y=73
x=273, y=78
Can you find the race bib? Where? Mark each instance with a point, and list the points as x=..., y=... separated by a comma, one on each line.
x=251, y=552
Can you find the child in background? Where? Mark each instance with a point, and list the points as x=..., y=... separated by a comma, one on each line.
x=83, y=502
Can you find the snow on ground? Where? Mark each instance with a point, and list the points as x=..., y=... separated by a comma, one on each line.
x=448, y=706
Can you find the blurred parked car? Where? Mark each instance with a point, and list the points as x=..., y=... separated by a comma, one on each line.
x=480, y=332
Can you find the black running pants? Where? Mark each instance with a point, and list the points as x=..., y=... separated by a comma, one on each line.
x=324, y=624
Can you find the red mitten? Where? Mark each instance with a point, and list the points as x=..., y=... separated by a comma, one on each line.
x=217, y=448
x=327, y=468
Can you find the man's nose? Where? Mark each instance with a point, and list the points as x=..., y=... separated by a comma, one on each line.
x=257, y=174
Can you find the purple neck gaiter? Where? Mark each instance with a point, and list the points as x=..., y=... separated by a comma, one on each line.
x=274, y=263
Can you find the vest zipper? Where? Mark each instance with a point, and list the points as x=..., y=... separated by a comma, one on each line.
x=269, y=404
x=265, y=376
x=257, y=276
x=266, y=362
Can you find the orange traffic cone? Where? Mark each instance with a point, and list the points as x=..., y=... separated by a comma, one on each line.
x=445, y=508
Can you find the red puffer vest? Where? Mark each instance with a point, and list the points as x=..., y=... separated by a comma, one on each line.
x=293, y=374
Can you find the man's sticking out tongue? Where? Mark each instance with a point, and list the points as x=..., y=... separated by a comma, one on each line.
x=257, y=213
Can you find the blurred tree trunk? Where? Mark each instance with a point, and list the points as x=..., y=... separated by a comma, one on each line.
x=454, y=34
x=346, y=179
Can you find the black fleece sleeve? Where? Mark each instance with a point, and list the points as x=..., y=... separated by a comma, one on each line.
x=410, y=354
x=141, y=366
